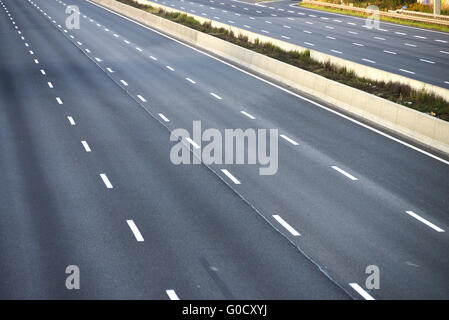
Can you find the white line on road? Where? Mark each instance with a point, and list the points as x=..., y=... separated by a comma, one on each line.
x=86, y=146
x=72, y=122
x=172, y=294
x=445, y=52
x=106, y=181
x=358, y=44
x=154, y=58
x=36, y=61
x=344, y=173
x=190, y=80
x=406, y=71
x=110, y=70
x=443, y=41
x=420, y=37
x=135, y=230
x=427, y=61
x=426, y=222
x=293, y=142
x=329, y=37
x=164, y=117
x=248, y=115
x=230, y=176
x=410, y=45
x=215, y=96
x=50, y=85
x=310, y=44
x=390, y=52
x=286, y=225
x=379, y=38
x=141, y=98
x=59, y=100
x=360, y=291
x=367, y=60
x=193, y=143
x=98, y=59
x=43, y=72
x=138, y=49
x=170, y=68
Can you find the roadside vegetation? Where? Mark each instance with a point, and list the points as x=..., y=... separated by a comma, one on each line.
x=386, y=19
x=396, y=92
x=386, y=5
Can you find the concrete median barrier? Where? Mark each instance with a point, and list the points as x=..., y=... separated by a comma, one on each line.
x=413, y=124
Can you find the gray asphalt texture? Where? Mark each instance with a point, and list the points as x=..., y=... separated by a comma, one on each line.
x=204, y=236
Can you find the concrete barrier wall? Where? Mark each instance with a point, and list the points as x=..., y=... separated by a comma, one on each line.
x=359, y=69
x=416, y=125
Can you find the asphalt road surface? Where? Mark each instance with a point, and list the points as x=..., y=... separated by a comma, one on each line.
x=85, y=122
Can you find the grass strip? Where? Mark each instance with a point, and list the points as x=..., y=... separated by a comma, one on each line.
x=385, y=19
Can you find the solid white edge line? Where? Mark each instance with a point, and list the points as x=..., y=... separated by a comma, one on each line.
x=230, y=176
x=360, y=291
x=172, y=294
x=283, y=223
x=426, y=222
x=283, y=89
x=350, y=176
x=106, y=181
x=135, y=230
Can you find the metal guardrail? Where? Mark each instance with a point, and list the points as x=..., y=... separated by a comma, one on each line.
x=381, y=13
x=422, y=14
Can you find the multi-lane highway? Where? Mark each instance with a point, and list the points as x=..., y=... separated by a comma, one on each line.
x=85, y=122
x=408, y=51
